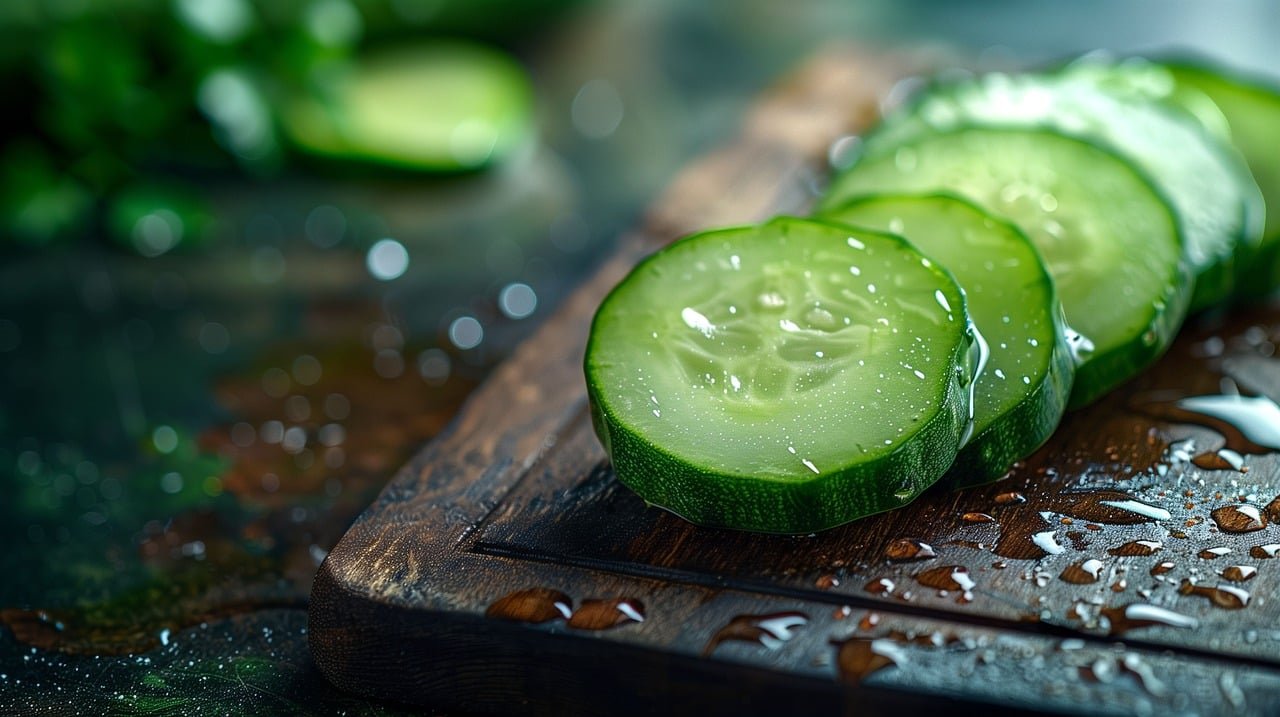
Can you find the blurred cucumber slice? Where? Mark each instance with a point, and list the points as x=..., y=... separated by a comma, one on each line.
x=446, y=107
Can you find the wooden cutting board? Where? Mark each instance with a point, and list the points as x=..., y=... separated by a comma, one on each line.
x=506, y=570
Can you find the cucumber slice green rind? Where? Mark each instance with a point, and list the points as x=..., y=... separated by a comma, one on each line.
x=1252, y=113
x=444, y=107
x=1216, y=200
x=703, y=418
x=1021, y=394
x=1110, y=242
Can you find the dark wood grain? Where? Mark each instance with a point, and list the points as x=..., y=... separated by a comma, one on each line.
x=513, y=513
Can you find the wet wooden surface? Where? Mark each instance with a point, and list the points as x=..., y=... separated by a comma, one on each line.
x=1129, y=566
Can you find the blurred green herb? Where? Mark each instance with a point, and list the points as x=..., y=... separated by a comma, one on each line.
x=122, y=110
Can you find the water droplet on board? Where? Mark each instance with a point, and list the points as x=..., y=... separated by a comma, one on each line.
x=1223, y=460
x=605, y=614
x=1239, y=518
x=869, y=621
x=1256, y=417
x=1162, y=567
x=1265, y=551
x=1142, y=672
x=1248, y=424
x=1084, y=572
x=1010, y=498
x=1138, y=615
x=1115, y=508
x=1026, y=536
x=1214, y=553
x=1223, y=596
x=977, y=518
x=826, y=582
x=534, y=605
x=859, y=657
x=947, y=577
x=771, y=630
x=904, y=549
x=1136, y=548
x=1239, y=573
x=1046, y=542
x=879, y=586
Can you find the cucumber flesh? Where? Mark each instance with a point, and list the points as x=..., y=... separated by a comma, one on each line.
x=783, y=378
x=1216, y=200
x=1022, y=392
x=1108, y=238
x=443, y=107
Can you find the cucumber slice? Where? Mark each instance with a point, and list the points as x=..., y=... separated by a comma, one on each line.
x=1109, y=240
x=1217, y=202
x=1252, y=113
x=446, y=107
x=783, y=378
x=1022, y=391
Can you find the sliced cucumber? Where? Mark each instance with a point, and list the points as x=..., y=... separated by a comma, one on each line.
x=784, y=378
x=1207, y=182
x=1252, y=113
x=445, y=107
x=1022, y=392
x=1109, y=240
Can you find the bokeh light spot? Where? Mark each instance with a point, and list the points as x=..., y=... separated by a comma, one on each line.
x=466, y=332
x=165, y=439
x=597, y=109
x=517, y=300
x=214, y=337
x=387, y=259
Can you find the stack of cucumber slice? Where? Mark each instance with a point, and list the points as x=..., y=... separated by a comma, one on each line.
x=1003, y=249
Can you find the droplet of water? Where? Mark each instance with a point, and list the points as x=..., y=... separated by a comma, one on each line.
x=869, y=621
x=535, y=605
x=1258, y=418
x=1082, y=573
x=1239, y=573
x=1243, y=518
x=860, y=657
x=1046, y=542
x=903, y=549
x=947, y=577
x=1221, y=460
x=1114, y=508
x=1265, y=551
x=879, y=586
x=1138, y=615
x=977, y=518
x=606, y=614
x=771, y=630
x=1136, y=548
x=826, y=582
x=1226, y=597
